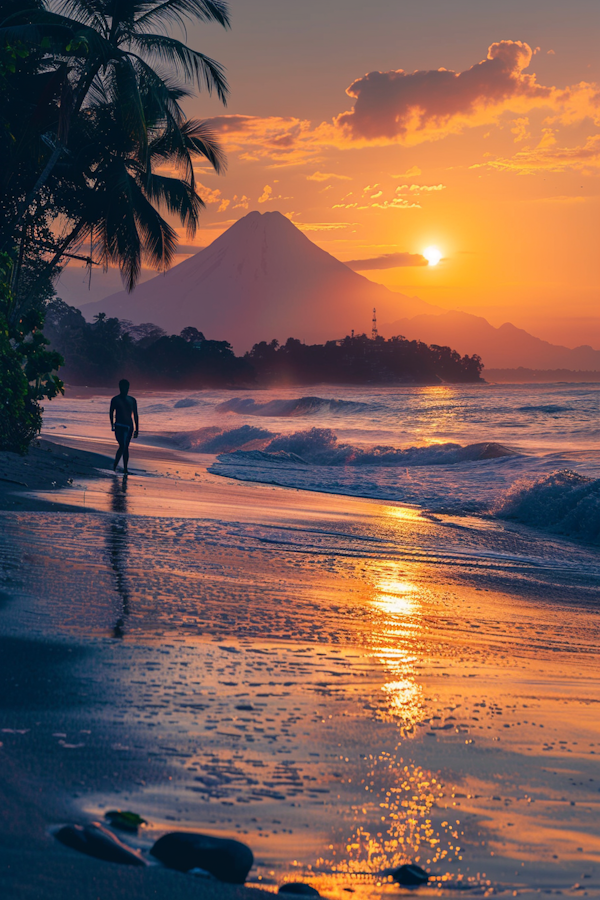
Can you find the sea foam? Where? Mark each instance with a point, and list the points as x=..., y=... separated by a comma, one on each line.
x=563, y=502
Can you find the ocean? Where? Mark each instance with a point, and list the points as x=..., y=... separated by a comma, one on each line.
x=529, y=452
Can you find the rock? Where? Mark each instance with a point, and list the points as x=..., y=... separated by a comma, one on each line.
x=94, y=840
x=298, y=887
x=227, y=860
x=409, y=875
x=124, y=820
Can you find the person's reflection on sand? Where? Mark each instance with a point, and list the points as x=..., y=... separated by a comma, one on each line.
x=116, y=541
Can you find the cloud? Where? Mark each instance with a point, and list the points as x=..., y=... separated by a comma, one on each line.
x=266, y=194
x=387, y=261
x=322, y=226
x=397, y=203
x=419, y=188
x=281, y=140
x=549, y=157
x=397, y=107
x=208, y=195
x=413, y=172
x=240, y=202
x=397, y=104
x=327, y=176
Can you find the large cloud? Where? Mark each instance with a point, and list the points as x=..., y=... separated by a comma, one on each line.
x=393, y=104
x=397, y=107
x=387, y=261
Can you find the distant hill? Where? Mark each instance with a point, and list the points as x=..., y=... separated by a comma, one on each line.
x=261, y=279
x=504, y=347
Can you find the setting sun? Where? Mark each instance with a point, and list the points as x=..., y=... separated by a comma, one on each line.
x=432, y=255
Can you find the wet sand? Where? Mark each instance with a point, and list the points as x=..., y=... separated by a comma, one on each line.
x=343, y=684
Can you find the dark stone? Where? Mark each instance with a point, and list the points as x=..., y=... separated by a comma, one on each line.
x=409, y=875
x=298, y=887
x=94, y=840
x=124, y=820
x=227, y=860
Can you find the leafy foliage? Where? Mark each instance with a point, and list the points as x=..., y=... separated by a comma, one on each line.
x=96, y=153
x=26, y=367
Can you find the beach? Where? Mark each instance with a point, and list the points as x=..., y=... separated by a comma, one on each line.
x=347, y=666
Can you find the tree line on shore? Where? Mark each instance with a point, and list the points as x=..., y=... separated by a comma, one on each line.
x=98, y=353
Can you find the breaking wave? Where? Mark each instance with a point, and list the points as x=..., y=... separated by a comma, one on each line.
x=302, y=406
x=213, y=439
x=563, y=502
x=320, y=447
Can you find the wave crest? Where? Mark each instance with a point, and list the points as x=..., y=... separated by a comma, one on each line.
x=302, y=406
x=563, y=502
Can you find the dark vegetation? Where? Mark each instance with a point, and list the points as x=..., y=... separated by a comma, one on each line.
x=90, y=118
x=102, y=352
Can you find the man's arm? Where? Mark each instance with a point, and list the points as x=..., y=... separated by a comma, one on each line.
x=111, y=414
x=136, y=419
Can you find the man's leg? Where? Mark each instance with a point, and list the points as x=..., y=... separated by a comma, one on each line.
x=126, y=450
x=121, y=450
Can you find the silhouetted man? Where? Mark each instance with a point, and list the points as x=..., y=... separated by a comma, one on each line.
x=123, y=411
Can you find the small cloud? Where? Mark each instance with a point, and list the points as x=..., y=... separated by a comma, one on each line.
x=322, y=226
x=240, y=202
x=396, y=203
x=413, y=172
x=207, y=194
x=378, y=194
x=551, y=52
x=266, y=194
x=387, y=261
x=418, y=188
x=327, y=176
x=223, y=205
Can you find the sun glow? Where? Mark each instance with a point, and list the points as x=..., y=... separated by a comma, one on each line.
x=432, y=255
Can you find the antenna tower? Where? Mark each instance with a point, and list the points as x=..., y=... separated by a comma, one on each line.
x=374, y=327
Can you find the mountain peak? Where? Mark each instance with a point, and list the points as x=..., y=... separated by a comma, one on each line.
x=261, y=279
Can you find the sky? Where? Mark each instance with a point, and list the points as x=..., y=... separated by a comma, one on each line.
x=385, y=128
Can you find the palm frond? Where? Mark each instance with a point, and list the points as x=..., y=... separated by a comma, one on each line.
x=158, y=238
x=200, y=139
x=88, y=12
x=178, y=11
x=191, y=64
x=177, y=196
x=128, y=103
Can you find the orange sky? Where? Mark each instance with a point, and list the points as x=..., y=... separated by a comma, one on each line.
x=496, y=160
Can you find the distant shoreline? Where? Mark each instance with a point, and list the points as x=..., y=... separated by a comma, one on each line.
x=521, y=375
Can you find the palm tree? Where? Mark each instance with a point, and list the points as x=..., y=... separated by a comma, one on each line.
x=112, y=116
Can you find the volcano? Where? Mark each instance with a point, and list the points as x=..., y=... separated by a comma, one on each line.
x=261, y=279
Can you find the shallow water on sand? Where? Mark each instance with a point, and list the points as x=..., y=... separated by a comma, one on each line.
x=345, y=684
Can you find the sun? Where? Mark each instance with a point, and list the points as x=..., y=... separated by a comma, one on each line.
x=432, y=255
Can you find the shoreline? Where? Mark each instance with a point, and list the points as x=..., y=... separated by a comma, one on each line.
x=49, y=466
x=188, y=586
